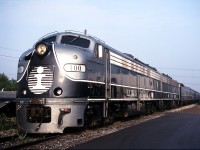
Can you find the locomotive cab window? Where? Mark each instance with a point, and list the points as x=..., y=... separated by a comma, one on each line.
x=50, y=40
x=99, y=51
x=75, y=40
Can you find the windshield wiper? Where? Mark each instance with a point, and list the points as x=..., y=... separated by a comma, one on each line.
x=74, y=39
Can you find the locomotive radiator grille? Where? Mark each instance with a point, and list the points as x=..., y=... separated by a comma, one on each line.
x=40, y=79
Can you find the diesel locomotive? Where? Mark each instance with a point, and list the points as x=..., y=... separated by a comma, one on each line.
x=71, y=79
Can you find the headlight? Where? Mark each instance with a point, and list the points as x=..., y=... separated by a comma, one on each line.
x=41, y=49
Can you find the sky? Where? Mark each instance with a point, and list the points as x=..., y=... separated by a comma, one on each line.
x=162, y=33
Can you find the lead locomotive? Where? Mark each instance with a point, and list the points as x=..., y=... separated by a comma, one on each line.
x=70, y=80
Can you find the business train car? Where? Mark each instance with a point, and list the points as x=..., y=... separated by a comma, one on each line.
x=70, y=79
x=188, y=95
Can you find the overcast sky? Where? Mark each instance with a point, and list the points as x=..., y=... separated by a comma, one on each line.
x=162, y=33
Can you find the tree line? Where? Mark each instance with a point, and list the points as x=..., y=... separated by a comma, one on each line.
x=6, y=84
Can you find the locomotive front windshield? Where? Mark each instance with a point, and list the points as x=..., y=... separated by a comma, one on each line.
x=75, y=40
x=50, y=40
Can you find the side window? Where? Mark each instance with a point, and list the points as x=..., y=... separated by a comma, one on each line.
x=99, y=49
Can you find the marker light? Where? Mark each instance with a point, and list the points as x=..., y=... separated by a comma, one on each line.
x=58, y=91
x=41, y=49
x=75, y=56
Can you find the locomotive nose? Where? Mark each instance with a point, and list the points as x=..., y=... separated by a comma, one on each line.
x=71, y=61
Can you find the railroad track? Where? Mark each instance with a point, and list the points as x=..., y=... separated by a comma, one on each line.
x=15, y=142
x=7, y=138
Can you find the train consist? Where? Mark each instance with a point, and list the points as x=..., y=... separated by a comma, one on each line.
x=71, y=79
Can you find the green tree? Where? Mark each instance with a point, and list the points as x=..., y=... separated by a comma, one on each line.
x=12, y=85
x=4, y=81
x=6, y=84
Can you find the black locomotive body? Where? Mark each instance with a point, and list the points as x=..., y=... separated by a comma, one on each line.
x=70, y=80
